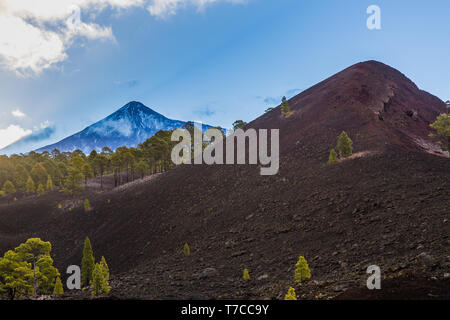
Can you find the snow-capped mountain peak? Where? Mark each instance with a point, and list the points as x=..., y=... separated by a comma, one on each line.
x=130, y=125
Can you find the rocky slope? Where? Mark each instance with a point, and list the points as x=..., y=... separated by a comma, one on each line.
x=387, y=206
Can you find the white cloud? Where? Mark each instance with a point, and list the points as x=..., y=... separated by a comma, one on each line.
x=18, y=114
x=12, y=134
x=164, y=8
x=26, y=48
x=39, y=32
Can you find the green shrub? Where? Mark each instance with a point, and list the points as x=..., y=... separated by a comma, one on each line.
x=87, y=263
x=58, y=290
x=246, y=275
x=290, y=295
x=442, y=126
x=87, y=205
x=285, y=109
x=344, y=145
x=333, y=157
x=100, y=276
x=302, y=271
x=187, y=250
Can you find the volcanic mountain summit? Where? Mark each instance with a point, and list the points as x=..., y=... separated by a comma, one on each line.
x=130, y=125
x=376, y=103
x=387, y=205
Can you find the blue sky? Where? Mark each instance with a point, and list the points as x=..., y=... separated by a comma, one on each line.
x=217, y=62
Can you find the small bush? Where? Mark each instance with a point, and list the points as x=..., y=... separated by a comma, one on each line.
x=285, y=109
x=187, y=250
x=58, y=290
x=87, y=205
x=344, y=145
x=333, y=157
x=290, y=295
x=246, y=275
x=442, y=127
x=302, y=271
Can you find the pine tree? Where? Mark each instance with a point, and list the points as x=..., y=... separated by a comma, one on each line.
x=333, y=157
x=8, y=188
x=239, y=124
x=285, y=109
x=87, y=205
x=100, y=283
x=87, y=172
x=290, y=295
x=187, y=250
x=30, y=187
x=20, y=177
x=40, y=189
x=16, y=275
x=87, y=263
x=442, y=126
x=344, y=145
x=39, y=174
x=49, y=186
x=101, y=162
x=105, y=268
x=37, y=253
x=142, y=168
x=58, y=290
x=302, y=271
x=72, y=180
x=246, y=275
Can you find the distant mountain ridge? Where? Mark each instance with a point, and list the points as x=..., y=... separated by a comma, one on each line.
x=129, y=126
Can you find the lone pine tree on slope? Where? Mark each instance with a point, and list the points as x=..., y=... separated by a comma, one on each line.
x=87, y=263
x=344, y=145
x=302, y=271
x=290, y=295
x=285, y=109
x=187, y=250
x=246, y=275
x=333, y=157
x=442, y=126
